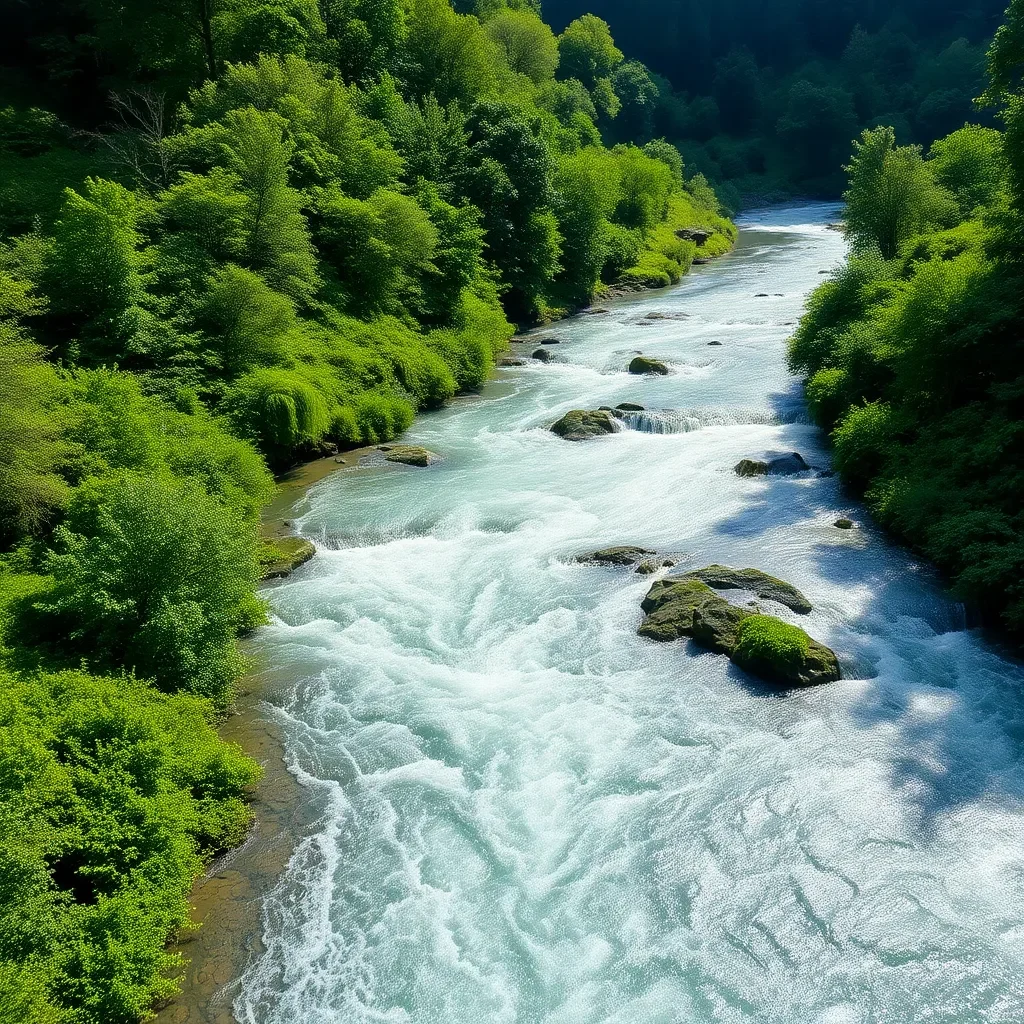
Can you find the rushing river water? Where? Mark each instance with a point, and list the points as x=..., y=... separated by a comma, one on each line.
x=525, y=814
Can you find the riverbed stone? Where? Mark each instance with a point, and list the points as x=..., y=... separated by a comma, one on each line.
x=646, y=365
x=542, y=355
x=767, y=588
x=783, y=654
x=286, y=554
x=629, y=407
x=688, y=608
x=781, y=465
x=844, y=524
x=582, y=424
x=411, y=455
x=624, y=555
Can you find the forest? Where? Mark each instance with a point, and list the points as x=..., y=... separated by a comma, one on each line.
x=234, y=235
x=239, y=234
x=765, y=97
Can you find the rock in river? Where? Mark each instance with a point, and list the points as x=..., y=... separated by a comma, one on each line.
x=285, y=555
x=760, y=644
x=542, y=355
x=768, y=588
x=645, y=365
x=624, y=556
x=580, y=425
x=782, y=465
x=411, y=455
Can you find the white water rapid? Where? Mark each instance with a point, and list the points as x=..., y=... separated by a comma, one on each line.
x=523, y=813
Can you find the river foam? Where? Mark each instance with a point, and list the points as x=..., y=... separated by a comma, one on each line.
x=524, y=814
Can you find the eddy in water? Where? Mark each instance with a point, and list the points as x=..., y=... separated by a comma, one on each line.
x=525, y=813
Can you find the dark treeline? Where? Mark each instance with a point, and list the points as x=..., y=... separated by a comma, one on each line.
x=768, y=95
x=234, y=234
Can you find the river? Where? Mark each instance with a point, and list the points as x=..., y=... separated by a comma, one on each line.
x=519, y=812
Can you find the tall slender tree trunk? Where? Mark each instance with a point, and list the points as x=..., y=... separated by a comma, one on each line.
x=206, y=28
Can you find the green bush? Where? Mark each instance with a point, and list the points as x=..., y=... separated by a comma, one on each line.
x=154, y=575
x=111, y=797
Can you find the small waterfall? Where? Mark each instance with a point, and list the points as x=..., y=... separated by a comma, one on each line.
x=684, y=421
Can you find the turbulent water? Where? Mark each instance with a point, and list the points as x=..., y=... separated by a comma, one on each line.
x=524, y=813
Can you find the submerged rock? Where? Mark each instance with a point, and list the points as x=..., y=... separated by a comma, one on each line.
x=645, y=365
x=647, y=568
x=782, y=465
x=714, y=344
x=581, y=425
x=511, y=361
x=550, y=341
x=542, y=355
x=625, y=555
x=411, y=455
x=286, y=555
x=760, y=644
x=768, y=588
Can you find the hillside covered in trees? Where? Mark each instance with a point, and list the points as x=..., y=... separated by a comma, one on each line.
x=768, y=95
x=914, y=347
x=235, y=234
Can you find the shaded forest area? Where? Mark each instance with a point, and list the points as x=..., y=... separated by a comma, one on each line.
x=767, y=96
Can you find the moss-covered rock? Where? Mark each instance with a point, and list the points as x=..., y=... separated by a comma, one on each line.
x=789, y=464
x=581, y=425
x=768, y=588
x=844, y=524
x=543, y=355
x=785, y=654
x=760, y=644
x=411, y=455
x=671, y=607
x=646, y=365
x=280, y=558
x=624, y=555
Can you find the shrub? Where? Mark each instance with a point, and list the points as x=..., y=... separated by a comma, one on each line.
x=278, y=410
x=111, y=796
x=153, y=575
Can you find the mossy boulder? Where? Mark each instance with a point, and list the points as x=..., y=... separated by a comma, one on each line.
x=581, y=425
x=768, y=588
x=785, y=654
x=845, y=524
x=765, y=646
x=411, y=455
x=624, y=556
x=674, y=606
x=629, y=407
x=781, y=465
x=280, y=558
x=646, y=365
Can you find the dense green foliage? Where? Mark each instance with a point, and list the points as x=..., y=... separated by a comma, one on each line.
x=913, y=348
x=769, y=95
x=235, y=234
x=110, y=796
